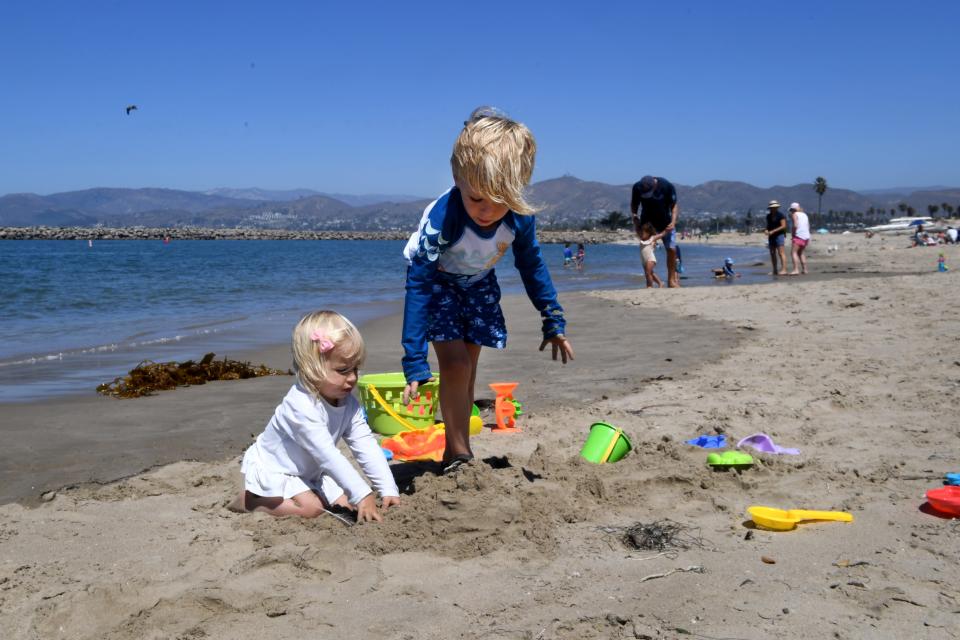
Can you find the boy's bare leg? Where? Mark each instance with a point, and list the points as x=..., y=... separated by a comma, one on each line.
x=458, y=372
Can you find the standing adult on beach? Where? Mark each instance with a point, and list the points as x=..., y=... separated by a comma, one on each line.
x=656, y=199
x=801, y=237
x=776, y=234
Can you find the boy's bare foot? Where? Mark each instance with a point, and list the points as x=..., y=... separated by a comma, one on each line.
x=782, y=273
x=794, y=273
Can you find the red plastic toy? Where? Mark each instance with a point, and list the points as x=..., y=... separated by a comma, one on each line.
x=945, y=500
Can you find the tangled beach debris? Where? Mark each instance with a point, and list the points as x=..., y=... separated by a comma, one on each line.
x=148, y=377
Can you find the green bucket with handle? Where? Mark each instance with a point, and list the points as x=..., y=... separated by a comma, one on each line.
x=606, y=443
x=381, y=395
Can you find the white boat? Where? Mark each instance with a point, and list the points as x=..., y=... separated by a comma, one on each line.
x=904, y=225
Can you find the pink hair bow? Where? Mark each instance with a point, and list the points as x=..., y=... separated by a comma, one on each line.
x=323, y=342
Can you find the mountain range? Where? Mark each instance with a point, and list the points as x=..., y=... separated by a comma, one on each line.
x=565, y=202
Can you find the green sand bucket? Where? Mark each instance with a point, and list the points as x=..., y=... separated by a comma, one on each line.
x=381, y=395
x=605, y=443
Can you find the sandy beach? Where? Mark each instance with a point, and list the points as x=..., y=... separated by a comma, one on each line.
x=856, y=365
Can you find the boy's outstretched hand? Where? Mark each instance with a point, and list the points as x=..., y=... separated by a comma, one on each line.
x=412, y=389
x=560, y=345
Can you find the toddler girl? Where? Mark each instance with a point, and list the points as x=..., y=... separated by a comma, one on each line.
x=294, y=467
x=648, y=242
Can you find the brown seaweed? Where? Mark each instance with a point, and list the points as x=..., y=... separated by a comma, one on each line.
x=148, y=376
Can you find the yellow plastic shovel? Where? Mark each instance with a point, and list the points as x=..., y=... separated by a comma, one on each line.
x=785, y=520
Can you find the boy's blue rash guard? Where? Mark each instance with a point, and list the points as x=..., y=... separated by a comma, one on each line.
x=448, y=242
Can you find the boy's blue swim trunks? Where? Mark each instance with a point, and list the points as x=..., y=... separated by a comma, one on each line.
x=467, y=312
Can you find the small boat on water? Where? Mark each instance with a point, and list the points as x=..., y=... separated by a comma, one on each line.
x=906, y=225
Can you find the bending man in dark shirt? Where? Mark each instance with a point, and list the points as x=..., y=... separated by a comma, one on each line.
x=656, y=199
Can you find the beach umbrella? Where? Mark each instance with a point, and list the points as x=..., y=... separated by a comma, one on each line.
x=916, y=223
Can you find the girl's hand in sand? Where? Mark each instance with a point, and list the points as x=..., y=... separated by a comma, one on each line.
x=390, y=501
x=412, y=390
x=367, y=510
x=560, y=344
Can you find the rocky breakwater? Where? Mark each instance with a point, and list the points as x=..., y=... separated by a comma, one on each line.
x=198, y=233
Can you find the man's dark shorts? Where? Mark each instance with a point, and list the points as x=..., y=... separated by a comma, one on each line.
x=776, y=241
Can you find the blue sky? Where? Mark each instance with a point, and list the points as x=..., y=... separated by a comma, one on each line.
x=368, y=98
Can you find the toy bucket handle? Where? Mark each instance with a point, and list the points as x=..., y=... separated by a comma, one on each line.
x=613, y=443
x=393, y=414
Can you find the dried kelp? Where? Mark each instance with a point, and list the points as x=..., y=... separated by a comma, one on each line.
x=148, y=377
x=662, y=535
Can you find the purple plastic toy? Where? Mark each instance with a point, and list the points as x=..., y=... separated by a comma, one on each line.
x=763, y=442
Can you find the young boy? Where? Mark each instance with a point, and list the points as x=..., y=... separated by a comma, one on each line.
x=648, y=242
x=453, y=299
x=726, y=271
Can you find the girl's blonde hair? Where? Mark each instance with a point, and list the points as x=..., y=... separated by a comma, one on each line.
x=317, y=331
x=494, y=155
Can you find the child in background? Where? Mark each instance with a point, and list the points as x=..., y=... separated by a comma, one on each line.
x=567, y=255
x=453, y=299
x=726, y=271
x=294, y=467
x=648, y=242
x=581, y=255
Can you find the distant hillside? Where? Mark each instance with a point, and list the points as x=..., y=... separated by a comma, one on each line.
x=90, y=206
x=564, y=202
x=295, y=194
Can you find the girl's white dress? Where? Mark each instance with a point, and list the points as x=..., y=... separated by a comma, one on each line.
x=298, y=451
x=646, y=251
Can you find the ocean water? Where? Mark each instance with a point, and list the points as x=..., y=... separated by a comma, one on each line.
x=73, y=315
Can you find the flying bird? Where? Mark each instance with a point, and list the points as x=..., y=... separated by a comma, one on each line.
x=130, y=108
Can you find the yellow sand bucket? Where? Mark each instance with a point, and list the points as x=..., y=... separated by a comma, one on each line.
x=381, y=395
x=606, y=443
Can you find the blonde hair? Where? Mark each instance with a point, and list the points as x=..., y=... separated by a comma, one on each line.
x=309, y=363
x=494, y=155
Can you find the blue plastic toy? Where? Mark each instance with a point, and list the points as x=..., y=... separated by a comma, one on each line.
x=387, y=453
x=952, y=479
x=709, y=442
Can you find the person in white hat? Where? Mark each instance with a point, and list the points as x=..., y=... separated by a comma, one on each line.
x=776, y=234
x=801, y=237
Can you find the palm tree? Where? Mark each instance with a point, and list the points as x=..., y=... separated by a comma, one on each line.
x=932, y=208
x=820, y=186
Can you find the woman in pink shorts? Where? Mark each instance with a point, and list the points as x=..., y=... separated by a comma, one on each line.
x=801, y=237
